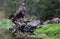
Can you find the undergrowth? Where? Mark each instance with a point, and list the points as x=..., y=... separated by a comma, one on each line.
x=50, y=31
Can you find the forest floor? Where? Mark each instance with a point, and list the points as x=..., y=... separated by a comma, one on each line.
x=6, y=34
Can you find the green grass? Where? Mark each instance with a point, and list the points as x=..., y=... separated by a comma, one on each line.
x=50, y=31
x=6, y=23
x=4, y=29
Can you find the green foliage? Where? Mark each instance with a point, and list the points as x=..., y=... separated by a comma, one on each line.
x=10, y=6
x=46, y=9
x=6, y=24
x=50, y=30
x=4, y=29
